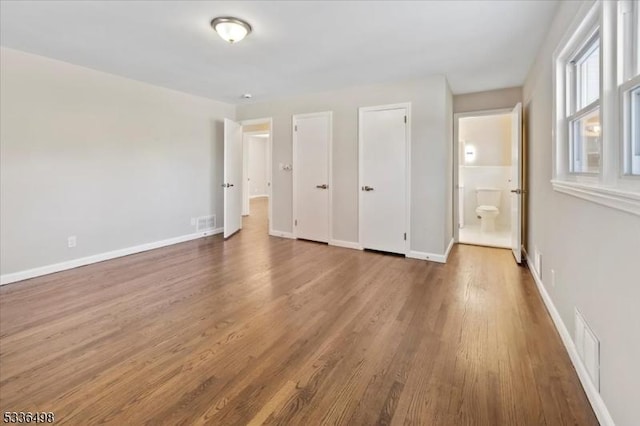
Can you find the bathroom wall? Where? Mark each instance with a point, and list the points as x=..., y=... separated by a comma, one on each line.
x=490, y=135
x=488, y=166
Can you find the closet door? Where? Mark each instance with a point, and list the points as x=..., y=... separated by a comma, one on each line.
x=383, y=178
x=311, y=176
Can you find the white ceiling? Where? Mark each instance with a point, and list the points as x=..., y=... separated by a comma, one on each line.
x=295, y=47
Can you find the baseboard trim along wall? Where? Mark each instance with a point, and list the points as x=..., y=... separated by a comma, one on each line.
x=345, y=244
x=598, y=405
x=446, y=254
x=282, y=234
x=440, y=258
x=83, y=261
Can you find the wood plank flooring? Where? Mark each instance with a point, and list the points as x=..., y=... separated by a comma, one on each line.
x=263, y=330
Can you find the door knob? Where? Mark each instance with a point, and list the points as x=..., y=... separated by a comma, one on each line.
x=517, y=191
x=367, y=188
x=323, y=186
x=227, y=185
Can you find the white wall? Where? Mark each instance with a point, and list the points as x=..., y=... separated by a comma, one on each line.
x=257, y=166
x=491, y=99
x=593, y=249
x=115, y=162
x=431, y=157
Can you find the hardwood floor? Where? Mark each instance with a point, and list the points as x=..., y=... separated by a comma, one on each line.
x=264, y=330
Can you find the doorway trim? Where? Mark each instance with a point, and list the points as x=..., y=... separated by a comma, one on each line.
x=294, y=181
x=407, y=219
x=264, y=120
x=456, y=165
x=245, y=165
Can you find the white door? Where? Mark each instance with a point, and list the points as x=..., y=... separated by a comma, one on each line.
x=232, y=177
x=516, y=190
x=383, y=178
x=312, y=191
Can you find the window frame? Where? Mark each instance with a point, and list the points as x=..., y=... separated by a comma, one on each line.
x=573, y=74
x=628, y=34
x=611, y=186
x=571, y=121
x=626, y=90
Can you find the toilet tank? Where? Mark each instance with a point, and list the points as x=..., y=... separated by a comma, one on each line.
x=488, y=196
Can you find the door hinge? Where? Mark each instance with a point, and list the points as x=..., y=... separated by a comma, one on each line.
x=296, y=222
x=405, y=236
x=405, y=119
x=295, y=127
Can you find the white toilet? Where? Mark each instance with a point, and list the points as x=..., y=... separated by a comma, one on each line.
x=488, y=200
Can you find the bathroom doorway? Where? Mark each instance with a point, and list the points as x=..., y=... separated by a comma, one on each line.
x=483, y=178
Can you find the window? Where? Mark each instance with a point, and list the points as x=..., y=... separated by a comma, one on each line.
x=597, y=106
x=629, y=83
x=583, y=115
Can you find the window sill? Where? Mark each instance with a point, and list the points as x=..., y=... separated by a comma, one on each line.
x=626, y=201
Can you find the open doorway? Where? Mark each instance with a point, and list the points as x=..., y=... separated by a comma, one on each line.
x=256, y=174
x=484, y=172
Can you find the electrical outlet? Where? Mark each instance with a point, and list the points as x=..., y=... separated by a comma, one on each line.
x=72, y=241
x=553, y=278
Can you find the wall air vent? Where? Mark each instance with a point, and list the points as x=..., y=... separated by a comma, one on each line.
x=588, y=347
x=206, y=223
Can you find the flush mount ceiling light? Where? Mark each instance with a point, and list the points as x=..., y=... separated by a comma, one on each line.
x=247, y=96
x=231, y=29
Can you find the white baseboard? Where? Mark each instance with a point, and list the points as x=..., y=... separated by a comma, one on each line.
x=345, y=244
x=449, y=247
x=598, y=405
x=282, y=234
x=251, y=197
x=440, y=258
x=433, y=257
x=75, y=263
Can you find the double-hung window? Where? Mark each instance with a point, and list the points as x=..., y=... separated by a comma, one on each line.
x=597, y=106
x=583, y=108
x=629, y=83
